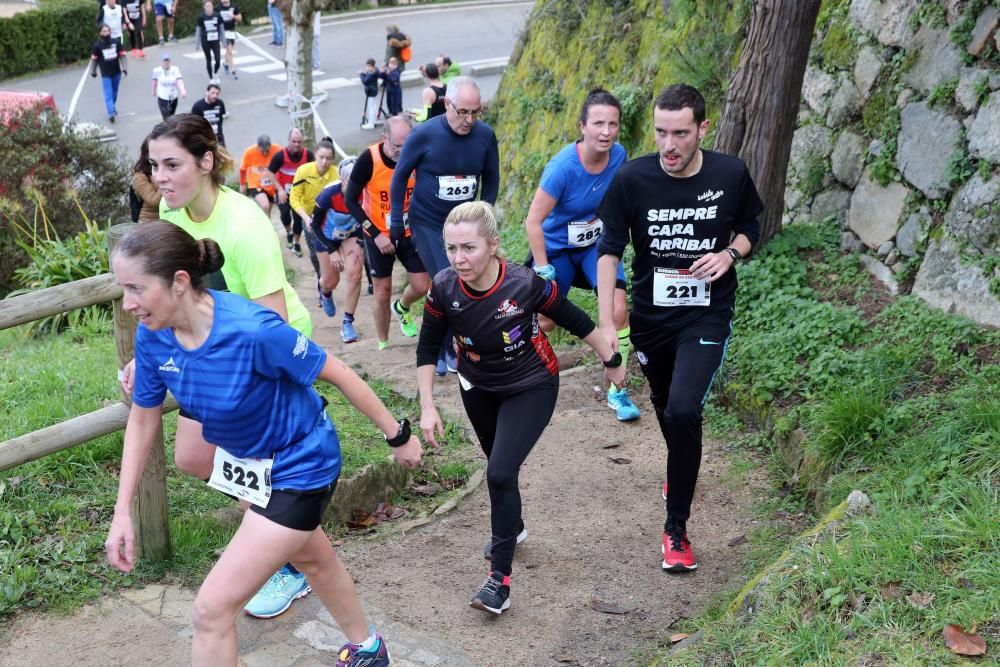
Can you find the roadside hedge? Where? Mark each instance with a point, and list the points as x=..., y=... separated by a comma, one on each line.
x=61, y=31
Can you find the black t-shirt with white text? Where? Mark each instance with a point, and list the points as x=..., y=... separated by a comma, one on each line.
x=209, y=27
x=228, y=15
x=106, y=52
x=213, y=113
x=672, y=222
x=134, y=11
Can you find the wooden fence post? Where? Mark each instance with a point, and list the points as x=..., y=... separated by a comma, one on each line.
x=149, y=507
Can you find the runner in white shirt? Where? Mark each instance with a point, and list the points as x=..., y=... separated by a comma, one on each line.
x=111, y=15
x=167, y=83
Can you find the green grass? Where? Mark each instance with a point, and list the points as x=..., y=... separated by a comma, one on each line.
x=902, y=403
x=54, y=512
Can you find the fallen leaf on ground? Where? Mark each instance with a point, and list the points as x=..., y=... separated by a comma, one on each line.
x=739, y=539
x=613, y=445
x=966, y=583
x=361, y=519
x=857, y=600
x=920, y=600
x=891, y=591
x=620, y=460
x=428, y=489
x=962, y=642
x=565, y=658
x=605, y=607
x=679, y=636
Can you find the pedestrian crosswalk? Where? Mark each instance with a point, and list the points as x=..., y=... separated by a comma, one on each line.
x=257, y=64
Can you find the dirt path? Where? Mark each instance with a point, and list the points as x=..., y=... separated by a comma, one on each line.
x=594, y=530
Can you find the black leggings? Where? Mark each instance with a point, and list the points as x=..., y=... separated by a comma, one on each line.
x=680, y=367
x=136, y=38
x=508, y=424
x=211, y=48
x=289, y=218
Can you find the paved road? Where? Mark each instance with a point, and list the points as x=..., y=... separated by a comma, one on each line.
x=467, y=31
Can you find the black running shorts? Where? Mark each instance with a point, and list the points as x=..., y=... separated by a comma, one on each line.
x=298, y=510
x=406, y=253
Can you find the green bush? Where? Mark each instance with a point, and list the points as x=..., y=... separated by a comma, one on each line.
x=61, y=31
x=53, y=180
x=57, y=262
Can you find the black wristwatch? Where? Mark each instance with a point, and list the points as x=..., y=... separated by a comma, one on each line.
x=734, y=253
x=614, y=362
x=402, y=437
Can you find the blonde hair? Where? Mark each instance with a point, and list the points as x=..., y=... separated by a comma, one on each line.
x=478, y=212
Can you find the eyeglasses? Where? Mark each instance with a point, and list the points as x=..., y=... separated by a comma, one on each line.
x=466, y=113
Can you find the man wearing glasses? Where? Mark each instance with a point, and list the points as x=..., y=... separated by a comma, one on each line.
x=456, y=160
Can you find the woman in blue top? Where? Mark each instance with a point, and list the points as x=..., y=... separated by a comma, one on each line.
x=247, y=376
x=562, y=224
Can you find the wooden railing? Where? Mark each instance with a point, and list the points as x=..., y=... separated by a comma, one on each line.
x=149, y=507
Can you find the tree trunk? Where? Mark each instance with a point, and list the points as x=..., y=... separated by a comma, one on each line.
x=762, y=102
x=298, y=54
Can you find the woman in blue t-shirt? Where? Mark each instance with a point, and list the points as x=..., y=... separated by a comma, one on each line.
x=247, y=377
x=562, y=224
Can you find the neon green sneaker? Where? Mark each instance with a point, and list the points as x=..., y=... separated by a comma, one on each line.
x=382, y=344
x=406, y=324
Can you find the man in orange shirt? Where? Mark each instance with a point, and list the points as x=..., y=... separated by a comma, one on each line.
x=256, y=179
x=370, y=178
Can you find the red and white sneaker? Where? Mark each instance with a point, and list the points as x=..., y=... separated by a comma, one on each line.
x=664, y=490
x=678, y=556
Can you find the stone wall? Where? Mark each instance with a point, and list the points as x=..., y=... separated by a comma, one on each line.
x=899, y=140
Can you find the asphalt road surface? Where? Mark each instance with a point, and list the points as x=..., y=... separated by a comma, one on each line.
x=474, y=34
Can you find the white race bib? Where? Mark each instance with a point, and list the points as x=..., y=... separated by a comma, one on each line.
x=231, y=34
x=246, y=479
x=677, y=287
x=110, y=53
x=265, y=182
x=288, y=188
x=584, y=233
x=466, y=385
x=211, y=35
x=456, y=188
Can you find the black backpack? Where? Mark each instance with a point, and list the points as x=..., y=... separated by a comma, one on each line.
x=134, y=204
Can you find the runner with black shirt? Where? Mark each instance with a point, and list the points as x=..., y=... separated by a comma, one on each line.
x=108, y=56
x=507, y=371
x=691, y=214
x=209, y=27
x=212, y=109
x=370, y=179
x=136, y=12
x=230, y=15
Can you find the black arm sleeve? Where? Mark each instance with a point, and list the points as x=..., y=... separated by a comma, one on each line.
x=491, y=173
x=752, y=206
x=351, y=193
x=276, y=162
x=613, y=212
x=568, y=315
x=433, y=329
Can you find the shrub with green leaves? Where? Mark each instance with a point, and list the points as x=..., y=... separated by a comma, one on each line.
x=55, y=261
x=53, y=180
